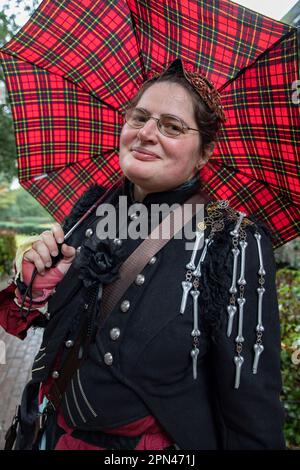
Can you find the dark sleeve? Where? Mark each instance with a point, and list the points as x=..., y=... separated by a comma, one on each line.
x=251, y=417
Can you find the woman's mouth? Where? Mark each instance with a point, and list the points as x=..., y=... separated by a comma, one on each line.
x=144, y=155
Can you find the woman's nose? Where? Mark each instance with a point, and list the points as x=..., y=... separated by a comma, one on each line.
x=149, y=130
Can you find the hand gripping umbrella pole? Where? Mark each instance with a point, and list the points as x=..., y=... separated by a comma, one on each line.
x=56, y=259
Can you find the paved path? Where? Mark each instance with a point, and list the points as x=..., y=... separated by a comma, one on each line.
x=15, y=372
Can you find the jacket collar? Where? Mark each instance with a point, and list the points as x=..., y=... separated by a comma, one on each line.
x=177, y=195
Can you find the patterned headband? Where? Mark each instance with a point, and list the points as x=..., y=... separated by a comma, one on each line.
x=201, y=85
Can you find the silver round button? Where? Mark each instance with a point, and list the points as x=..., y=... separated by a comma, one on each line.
x=89, y=232
x=118, y=242
x=140, y=279
x=55, y=374
x=133, y=216
x=108, y=358
x=78, y=249
x=115, y=333
x=152, y=260
x=125, y=305
x=69, y=343
x=48, y=315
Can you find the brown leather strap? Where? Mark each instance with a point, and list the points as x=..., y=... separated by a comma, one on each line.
x=72, y=362
x=136, y=262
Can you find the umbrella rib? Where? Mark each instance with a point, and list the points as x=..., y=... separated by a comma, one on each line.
x=104, y=155
x=242, y=71
x=73, y=83
x=282, y=191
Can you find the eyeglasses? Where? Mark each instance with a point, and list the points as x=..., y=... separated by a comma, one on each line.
x=168, y=125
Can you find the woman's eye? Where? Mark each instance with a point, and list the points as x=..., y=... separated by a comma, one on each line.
x=139, y=118
x=171, y=125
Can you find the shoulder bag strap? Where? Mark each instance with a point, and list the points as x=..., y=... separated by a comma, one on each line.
x=136, y=262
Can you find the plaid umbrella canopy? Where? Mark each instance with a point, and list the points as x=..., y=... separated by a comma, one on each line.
x=72, y=68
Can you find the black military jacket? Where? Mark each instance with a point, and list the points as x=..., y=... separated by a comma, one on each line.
x=140, y=362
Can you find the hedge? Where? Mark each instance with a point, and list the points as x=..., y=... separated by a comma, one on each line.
x=25, y=228
x=7, y=251
x=288, y=288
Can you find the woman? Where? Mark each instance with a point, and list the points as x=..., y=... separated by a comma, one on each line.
x=180, y=359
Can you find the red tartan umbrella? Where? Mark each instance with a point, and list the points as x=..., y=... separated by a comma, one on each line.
x=73, y=67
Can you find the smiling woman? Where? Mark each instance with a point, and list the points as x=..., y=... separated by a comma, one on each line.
x=153, y=161
x=146, y=344
x=177, y=155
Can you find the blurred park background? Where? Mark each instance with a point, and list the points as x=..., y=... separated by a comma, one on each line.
x=21, y=216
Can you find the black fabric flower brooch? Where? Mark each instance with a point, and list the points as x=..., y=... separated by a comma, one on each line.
x=99, y=261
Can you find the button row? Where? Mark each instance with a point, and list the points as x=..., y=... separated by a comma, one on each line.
x=140, y=279
x=115, y=333
x=125, y=305
x=89, y=232
x=108, y=358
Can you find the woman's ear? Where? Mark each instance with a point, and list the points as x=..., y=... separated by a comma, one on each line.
x=206, y=154
x=208, y=151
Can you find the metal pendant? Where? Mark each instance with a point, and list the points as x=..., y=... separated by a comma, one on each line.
x=261, y=270
x=238, y=360
x=236, y=253
x=191, y=264
x=197, y=271
x=258, y=349
x=186, y=286
x=259, y=326
x=194, y=355
x=231, y=310
x=243, y=245
x=235, y=231
x=195, y=332
x=240, y=338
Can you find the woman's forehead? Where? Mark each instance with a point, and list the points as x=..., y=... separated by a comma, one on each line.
x=167, y=98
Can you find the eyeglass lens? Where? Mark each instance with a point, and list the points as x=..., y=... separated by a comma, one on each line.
x=168, y=125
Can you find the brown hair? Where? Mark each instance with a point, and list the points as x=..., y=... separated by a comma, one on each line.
x=207, y=121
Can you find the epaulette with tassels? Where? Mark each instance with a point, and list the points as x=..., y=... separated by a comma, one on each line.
x=219, y=215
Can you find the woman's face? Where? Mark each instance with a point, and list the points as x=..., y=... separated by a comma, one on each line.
x=171, y=161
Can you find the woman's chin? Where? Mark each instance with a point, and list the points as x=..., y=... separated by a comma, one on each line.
x=140, y=172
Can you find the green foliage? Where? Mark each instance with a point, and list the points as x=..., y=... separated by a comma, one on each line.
x=7, y=140
x=8, y=28
x=26, y=228
x=288, y=285
x=288, y=255
x=7, y=145
x=37, y=220
x=7, y=251
x=28, y=206
x=19, y=204
x=7, y=198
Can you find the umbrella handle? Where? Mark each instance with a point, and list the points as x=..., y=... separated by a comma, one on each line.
x=57, y=258
x=28, y=292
